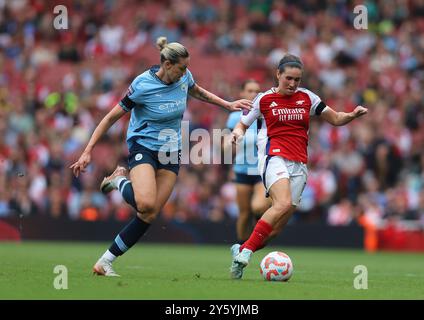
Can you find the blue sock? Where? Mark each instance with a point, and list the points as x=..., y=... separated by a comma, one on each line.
x=129, y=236
x=126, y=189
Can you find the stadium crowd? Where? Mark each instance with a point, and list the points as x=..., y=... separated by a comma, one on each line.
x=55, y=86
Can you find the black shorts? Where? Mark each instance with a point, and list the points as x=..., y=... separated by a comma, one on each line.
x=158, y=160
x=247, y=179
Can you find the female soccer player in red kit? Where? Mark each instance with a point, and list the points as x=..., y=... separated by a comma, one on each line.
x=283, y=121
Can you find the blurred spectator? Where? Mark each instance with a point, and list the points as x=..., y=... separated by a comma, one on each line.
x=349, y=166
x=111, y=36
x=341, y=214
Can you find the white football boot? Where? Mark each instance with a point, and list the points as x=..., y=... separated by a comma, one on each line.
x=236, y=270
x=108, y=184
x=240, y=261
x=104, y=268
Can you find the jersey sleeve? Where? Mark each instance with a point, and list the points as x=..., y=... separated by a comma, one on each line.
x=317, y=106
x=233, y=119
x=190, y=79
x=133, y=96
x=248, y=117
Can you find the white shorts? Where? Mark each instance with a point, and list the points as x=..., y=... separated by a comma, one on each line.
x=274, y=168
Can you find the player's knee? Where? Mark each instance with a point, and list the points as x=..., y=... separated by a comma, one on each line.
x=147, y=217
x=282, y=206
x=145, y=207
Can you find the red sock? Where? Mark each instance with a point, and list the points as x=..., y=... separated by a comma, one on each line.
x=259, y=234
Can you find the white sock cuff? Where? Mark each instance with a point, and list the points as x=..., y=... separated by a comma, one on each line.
x=117, y=180
x=109, y=256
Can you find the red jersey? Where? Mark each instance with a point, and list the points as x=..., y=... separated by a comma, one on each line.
x=283, y=122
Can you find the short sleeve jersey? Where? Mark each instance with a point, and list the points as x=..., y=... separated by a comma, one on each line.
x=283, y=122
x=157, y=109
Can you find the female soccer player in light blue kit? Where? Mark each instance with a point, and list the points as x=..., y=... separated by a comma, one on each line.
x=157, y=100
x=251, y=200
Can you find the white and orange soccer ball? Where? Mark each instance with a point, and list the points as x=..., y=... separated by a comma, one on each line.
x=276, y=266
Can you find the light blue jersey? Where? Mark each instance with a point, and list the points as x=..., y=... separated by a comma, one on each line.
x=246, y=160
x=156, y=109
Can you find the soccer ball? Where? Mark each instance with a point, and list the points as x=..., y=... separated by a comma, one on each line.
x=276, y=266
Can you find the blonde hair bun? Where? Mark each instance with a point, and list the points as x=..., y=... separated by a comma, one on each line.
x=161, y=42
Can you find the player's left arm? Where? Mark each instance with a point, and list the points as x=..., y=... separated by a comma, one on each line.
x=341, y=118
x=200, y=93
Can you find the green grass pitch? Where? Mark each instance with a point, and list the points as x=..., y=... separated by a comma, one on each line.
x=191, y=272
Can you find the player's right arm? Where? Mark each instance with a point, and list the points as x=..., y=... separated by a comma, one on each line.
x=113, y=115
x=132, y=98
x=246, y=120
x=238, y=132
